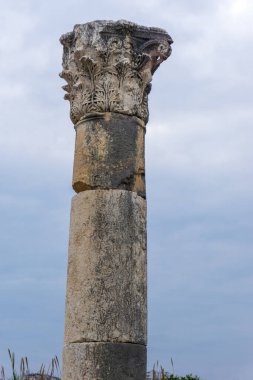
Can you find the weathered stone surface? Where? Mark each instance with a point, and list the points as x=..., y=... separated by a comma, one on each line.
x=109, y=65
x=109, y=154
x=106, y=290
x=104, y=361
x=38, y=376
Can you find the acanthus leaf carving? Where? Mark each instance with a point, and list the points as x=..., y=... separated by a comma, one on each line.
x=108, y=67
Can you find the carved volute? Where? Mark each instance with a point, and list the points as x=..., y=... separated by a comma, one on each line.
x=108, y=67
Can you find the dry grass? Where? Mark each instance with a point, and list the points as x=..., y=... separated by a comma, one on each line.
x=158, y=373
x=24, y=371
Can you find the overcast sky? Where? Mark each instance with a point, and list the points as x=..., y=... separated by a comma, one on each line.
x=199, y=181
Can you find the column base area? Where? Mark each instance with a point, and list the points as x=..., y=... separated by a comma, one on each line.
x=104, y=361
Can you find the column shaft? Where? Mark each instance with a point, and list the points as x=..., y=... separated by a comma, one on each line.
x=104, y=361
x=109, y=153
x=106, y=288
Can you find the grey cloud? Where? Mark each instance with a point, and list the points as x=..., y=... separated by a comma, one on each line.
x=199, y=182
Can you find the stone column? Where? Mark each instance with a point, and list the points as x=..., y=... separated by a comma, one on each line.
x=108, y=67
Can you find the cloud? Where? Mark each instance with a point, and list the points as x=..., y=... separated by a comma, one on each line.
x=199, y=182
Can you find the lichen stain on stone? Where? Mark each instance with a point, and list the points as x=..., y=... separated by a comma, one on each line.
x=107, y=116
x=139, y=185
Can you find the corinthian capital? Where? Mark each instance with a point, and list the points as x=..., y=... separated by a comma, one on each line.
x=108, y=67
